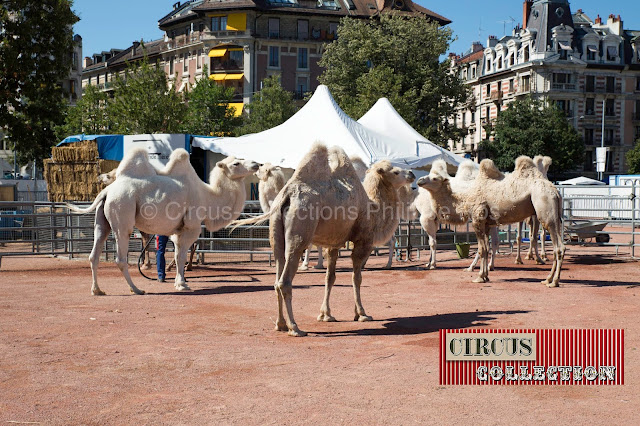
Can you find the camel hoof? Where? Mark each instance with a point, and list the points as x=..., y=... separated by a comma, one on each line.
x=529, y=257
x=319, y=267
x=146, y=267
x=430, y=267
x=98, y=293
x=553, y=284
x=303, y=268
x=183, y=287
x=189, y=268
x=544, y=282
x=481, y=280
x=545, y=258
x=296, y=332
x=326, y=318
x=469, y=269
x=363, y=318
x=387, y=267
x=137, y=291
x=491, y=268
x=282, y=326
x=539, y=262
x=519, y=262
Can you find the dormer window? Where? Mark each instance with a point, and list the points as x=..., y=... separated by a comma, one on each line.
x=499, y=63
x=488, y=64
x=526, y=54
x=592, y=51
x=612, y=53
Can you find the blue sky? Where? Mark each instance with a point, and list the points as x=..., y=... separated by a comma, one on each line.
x=117, y=23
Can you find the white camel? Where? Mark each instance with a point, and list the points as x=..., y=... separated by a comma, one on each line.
x=325, y=203
x=173, y=201
x=496, y=199
x=542, y=163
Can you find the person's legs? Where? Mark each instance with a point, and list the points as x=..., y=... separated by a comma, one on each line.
x=161, y=245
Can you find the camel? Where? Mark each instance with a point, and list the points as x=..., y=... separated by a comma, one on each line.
x=325, y=203
x=172, y=201
x=542, y=163
x=496, y=199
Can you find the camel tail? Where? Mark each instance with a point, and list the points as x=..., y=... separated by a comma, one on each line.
x=99, y=199
x=255, y=220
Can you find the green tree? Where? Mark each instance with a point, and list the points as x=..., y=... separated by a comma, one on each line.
x=396, y=57
x=88, y=116
x=143, y=102
x=633, y=159
x=269, y=108
x=529, y=127
x=208, y=109
x=36, y=41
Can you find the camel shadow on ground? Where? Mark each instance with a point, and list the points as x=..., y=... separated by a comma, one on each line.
x=423, y=324
x=594, y=283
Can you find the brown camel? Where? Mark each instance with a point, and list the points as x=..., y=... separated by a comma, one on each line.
x=324, y=203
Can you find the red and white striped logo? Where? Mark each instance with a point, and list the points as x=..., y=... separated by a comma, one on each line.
x=531, y=357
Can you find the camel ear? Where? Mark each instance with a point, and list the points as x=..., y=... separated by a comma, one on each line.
x=380, y=170
x=278, y=168
x=221, y=164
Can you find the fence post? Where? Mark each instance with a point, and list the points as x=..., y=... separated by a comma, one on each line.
x=634, y=203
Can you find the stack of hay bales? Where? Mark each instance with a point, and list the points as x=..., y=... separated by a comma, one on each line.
x=72, y=172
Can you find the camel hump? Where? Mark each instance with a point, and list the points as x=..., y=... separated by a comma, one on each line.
x=542, y=162
x=136, y=164
x=523, y=163
x=488, y=170
x=467, y=170
x=314, y=165
x=178, y=164
x=439, y=167
x=341, y=165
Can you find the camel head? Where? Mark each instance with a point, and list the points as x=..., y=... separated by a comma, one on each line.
x=266, y=170
x=395, y=176
x=236, y=168
x=359, y=166
x=435, y=181
x=107, y=178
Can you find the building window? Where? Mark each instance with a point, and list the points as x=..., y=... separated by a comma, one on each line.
x=526, y=54
x=219, y=23
x=609, y=109
x=303, y=58
x=612, y=53
x=590, y=108
x=499, y=87
x=511, y=59
x=488, y=90
x=198, y=59
x=499, y=67
x=171, y=70
x=611, y=84
x=74, y=61
x=201, y=27
x=488, y=64
x=563, y=54
x=590, y=85
x=303, y=29
x=333, y=29
x=588, y=161
x=588, y=136
x=637, y=84
x=487, y=114
x=185, y=62
x=72, y=88
x=473, y=73
x=637, y=112
x=302, y=86
x=526, y=80
x=274, y=57
x=637, y=138
x=236, y=59
x=511, y=85
x=591, y=52
x=274, y=28
x=608, y=136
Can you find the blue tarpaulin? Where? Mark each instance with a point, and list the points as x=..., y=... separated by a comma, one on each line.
x=110, y=147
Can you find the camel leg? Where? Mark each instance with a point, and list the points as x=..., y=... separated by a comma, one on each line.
x=534, y=225
x=285, y=287
x=359, y=257
x=555, y=231
x=474, y=263
x=145, y=256
x=278, y=248
x=495, y=241
x=320, y=264
x=100, y=233
x=543, y=250
x=194, y=247
x=431, y=227
x=330, y=279
x=483, y=246
x=518, y=243
x=122, y=251
x=182, y=243
x=305, y=263
x=392, y=245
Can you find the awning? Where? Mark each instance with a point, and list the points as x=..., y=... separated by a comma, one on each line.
x=612, y=51
x=217, y=53
x=238, y=106
x=592, y=49
x=234, y=77
x=226, y=77
x=564, y=46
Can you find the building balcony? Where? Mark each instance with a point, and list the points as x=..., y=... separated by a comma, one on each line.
x=602, y=90
x=566, y=87
x=496, y=96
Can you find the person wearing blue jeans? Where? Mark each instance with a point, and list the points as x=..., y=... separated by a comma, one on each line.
x=161, y=246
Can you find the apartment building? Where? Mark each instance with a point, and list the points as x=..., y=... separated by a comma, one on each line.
x=244, y=41
x=588, y=68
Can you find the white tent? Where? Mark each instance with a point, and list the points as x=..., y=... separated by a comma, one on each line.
x=384, y=119
x=321, y=119
x=581, y=180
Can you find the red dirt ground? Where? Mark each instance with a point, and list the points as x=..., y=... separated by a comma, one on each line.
x=211, y=356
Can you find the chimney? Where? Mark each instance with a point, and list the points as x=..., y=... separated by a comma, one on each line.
x=87, y=62
x=526, y=10
x=134, y=48
x=492, y=41
x=598, y=20
x=176, y=5
x=476, y=47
